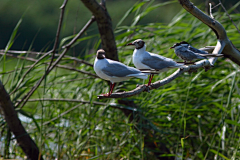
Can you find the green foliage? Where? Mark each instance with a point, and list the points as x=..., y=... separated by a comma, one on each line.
x=195, y=116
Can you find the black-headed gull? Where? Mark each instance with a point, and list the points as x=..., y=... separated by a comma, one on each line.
x=187, y=55
x=143, y=59
x=114, y=71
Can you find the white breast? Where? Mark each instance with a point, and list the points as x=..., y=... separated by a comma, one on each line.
x=99, y=64
x=138, y=56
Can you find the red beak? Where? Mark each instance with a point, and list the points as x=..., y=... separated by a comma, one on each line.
x=170, y=47
x=130, y=44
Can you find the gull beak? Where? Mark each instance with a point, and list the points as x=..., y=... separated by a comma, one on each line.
x=130, y=44
x=171, y=47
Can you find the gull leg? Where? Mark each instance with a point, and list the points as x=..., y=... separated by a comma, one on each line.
x=111, y=90
x=150, y=79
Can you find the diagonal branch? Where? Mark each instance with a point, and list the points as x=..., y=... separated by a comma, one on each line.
x=52, y=51
x=66, y=48
x=228, y=15
x=42, y=53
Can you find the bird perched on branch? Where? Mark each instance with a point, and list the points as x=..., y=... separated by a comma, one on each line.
x=114, y=71
x=143, y=60
x=187, y=55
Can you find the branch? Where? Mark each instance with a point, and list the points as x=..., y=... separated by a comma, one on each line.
x=42, y=53
x=58, y=66
x=228, y=15
x=65, y=100
x=57, y=34
x=59, y=27
x=24, y=140
x=105, y=28
x=157, y=84
x=229, y=49
x=34, y=60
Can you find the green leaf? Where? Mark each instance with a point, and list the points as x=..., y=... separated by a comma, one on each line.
x=216, y=152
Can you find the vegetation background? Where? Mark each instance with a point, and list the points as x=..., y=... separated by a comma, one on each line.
x=196, y=116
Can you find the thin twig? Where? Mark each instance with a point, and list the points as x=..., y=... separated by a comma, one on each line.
x=210, y=10
x=59, y=66
x=229, y=16
x=66, y=48
x=71, y=80
x=59, y=26
x=42, y=53
x=65, y=100
x=58, y=32
x=77, y=70
x=32, y=66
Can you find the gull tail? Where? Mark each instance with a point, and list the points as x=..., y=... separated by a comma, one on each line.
x=139, y=75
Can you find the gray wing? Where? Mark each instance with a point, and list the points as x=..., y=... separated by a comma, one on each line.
x=158, y=62
x=187, y=54
x=118, y=69
x=197, y=50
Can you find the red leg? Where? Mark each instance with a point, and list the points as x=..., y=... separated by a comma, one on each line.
x=112, y=86
x=150, y=79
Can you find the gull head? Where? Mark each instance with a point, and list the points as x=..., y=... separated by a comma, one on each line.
x=100, y=54
x=137, y=43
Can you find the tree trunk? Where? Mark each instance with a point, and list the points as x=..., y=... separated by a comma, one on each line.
x=24, y=140
x=104, y=23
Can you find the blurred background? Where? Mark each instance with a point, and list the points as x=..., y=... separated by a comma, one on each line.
x=40, y=20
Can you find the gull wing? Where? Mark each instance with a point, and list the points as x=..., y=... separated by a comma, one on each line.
x=159, y=62
x=117, y=69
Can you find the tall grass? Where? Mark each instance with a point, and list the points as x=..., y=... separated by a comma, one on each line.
x=196, y=116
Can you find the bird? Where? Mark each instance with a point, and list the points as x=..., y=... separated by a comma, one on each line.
x=144, y=60
x=187, y=55
x=187, y=45
x=114, y=71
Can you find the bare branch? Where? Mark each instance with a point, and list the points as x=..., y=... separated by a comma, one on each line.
x=24, y=140
x=59, y=27
x=228, y=15
x=77, y=70
x=210, y=10
x=42, y=53
x=58, y=33
x=65, y=100
x=58, y=65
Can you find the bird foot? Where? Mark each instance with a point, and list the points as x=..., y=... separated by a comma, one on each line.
x=105, y=94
